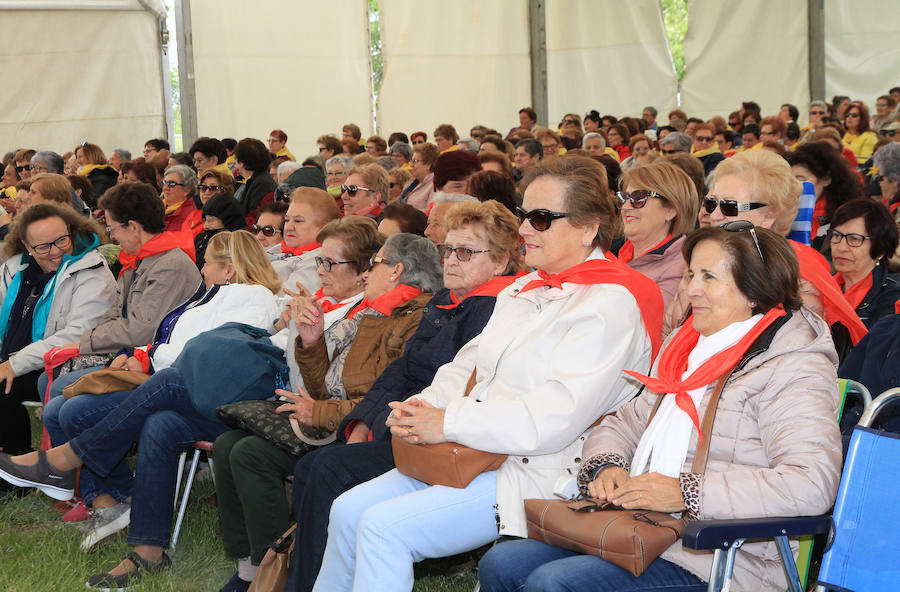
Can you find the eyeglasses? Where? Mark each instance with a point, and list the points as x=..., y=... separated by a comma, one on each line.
x=888, y=133
x=415, y=142
x=637, y=198
x=540, y=219
x=266, y=230
x=817, y=113
x=853, y=115
x=322, y=148
x=571, y=121
x=173, y=184
x=374, y=260
x=729, y=207
x=462, y=253
x=327, y=264
x=853, y=239
x=703, y=138
x=24, y=167
x=210, y=187
x=44, y=248
x=334, y=173
x=39, y=167
x=109, y=229
x=664, y=151
x=770, y=133
x=745, y=226
x=352, y=190
x=882, y=105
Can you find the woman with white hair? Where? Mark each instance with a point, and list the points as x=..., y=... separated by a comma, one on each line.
x=180, y=195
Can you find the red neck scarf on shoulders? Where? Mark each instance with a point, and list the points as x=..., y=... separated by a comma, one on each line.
x=626, y=253
x=325, y=301
x=492, y=287
x=295, y=251
x=165, y=241
x=815, y=270
x=610, y=271
x=387, y=302
x=674, y=362
x=857, y=292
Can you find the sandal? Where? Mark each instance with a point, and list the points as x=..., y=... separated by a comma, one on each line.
x=106, y=582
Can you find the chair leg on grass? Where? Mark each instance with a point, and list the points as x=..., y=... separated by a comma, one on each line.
x=184, y=499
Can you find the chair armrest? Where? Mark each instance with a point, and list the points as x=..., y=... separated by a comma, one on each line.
x=719, y=534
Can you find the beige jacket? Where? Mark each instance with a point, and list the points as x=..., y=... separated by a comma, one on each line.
x=775, y=448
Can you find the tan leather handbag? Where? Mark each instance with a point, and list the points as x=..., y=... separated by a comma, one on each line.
x=631, y=539
x=105, y=381
x=275, y=566
x=447, y=463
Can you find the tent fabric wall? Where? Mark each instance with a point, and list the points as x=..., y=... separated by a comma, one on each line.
x=96, y=78
x=862, y=56
x=736, y=51
x=302, y=67
x=608, y=55
x=465, y=63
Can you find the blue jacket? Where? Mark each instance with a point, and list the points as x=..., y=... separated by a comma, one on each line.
x=875, y=362
x=440, y=336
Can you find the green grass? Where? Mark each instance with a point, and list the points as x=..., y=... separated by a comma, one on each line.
x=39, y=553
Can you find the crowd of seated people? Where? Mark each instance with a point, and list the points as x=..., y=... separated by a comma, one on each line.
x=568, y=297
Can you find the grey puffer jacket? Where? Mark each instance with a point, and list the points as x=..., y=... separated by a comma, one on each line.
x=775, y=448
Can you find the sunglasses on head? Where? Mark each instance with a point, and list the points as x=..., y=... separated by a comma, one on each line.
x=266, y=230
x=540, y=219
x=745, y=226
x=638, y=198
x=352, y=190
x=729, y=207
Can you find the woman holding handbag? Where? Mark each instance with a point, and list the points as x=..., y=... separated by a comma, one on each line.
x=548, y=363
x=773, y=450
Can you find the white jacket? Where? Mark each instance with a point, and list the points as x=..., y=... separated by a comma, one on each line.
x=549, y=364
x=84, y=292
x=233, y=303
x=300, y=268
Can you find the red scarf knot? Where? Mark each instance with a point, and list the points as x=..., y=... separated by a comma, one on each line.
x=387, y=302
x=626, y=252
x=165, y=241
x=295, y=251
x=492, y=287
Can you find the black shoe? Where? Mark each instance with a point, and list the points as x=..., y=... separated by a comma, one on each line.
x=42, y=475
x=110, y=583
x=236, y=584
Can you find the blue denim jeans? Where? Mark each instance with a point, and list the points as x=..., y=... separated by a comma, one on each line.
x=161, y=418
x=66, y=418
x=527, y=565
x=62, y=382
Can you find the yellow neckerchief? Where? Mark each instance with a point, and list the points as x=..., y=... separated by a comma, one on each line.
x=231, y=160
x=707, y=151
x=9, y=192
x=407, y=166
x=757, y=146
x=170, y=209
x=611, y=151
x=86, y=169
x=451, y=148
x=285, y=152
x=223, y=168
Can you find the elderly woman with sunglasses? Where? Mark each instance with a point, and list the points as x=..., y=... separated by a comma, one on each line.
x=774, y=445
x=548, y=363
x=658, y=207
x=365, y=191
x=760, y=187
x=338, y=365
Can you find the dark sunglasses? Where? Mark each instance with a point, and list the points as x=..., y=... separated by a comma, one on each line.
x=664, y=151
x=210, y=187
x=745, y=226
x=352, y=190
x=729, y=207
x=853, y=115
x=540, y=219
x=888, y=133
x=24, y=167
x=704, y=138
x=462, y=253
x=266, y=230
x=817, y=113
x=637, y=198
x=172, y=184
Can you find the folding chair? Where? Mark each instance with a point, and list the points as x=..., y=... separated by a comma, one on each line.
x=862, y=532
x=200, y=446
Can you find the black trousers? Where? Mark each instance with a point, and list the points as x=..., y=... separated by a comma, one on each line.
x=15, y=425
x=319, y=478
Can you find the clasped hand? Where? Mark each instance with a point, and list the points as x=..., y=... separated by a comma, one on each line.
x=306, y=313
x=300, y=406
x=124, y=362
x=648, y=491
x=416, y=422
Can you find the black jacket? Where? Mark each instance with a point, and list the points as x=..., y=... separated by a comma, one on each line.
x=101, y=179
x=440, y=336
x=879, y=302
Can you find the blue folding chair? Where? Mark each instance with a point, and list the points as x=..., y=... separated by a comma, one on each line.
x=861, y=555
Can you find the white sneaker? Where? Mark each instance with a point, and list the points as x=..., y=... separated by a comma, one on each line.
x=106, y=522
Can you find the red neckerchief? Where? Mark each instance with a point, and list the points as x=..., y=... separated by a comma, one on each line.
x=609, y=271
x=818, y=213
x=295, y=251
x=387, y=302
x=857, y=292
x=165, y=241
x=674, y=362
x=492, y=287
x=372, y=211
x=897, y=307
x=815, y=270
x=325, y=301
x=626, y=253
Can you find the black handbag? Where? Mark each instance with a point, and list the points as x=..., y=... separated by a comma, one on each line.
x=259, y=418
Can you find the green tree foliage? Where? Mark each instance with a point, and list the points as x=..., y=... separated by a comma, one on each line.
x=675, y=14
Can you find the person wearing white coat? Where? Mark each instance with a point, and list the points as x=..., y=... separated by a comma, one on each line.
x=547, y=365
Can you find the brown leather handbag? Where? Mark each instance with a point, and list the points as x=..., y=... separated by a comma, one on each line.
x=105, y=381
x=275, y=566
x=447, y=463
x=631, y=539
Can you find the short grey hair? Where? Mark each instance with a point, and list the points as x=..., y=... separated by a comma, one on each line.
x=679, y=140
x=403, y=148
x=821, y=104
x=590, y=136
x=123, y=154
x=187, y=175
x=471, y=144
x=345, y=161
x=887, y=159
x=651, y=110
x=50, y=160
x=441, y=197
x=287, y=167
x=422, y=266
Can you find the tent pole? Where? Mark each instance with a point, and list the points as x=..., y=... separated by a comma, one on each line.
x=186, y=72
x=537, y=22
x=816, y=12
x=166, y=80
